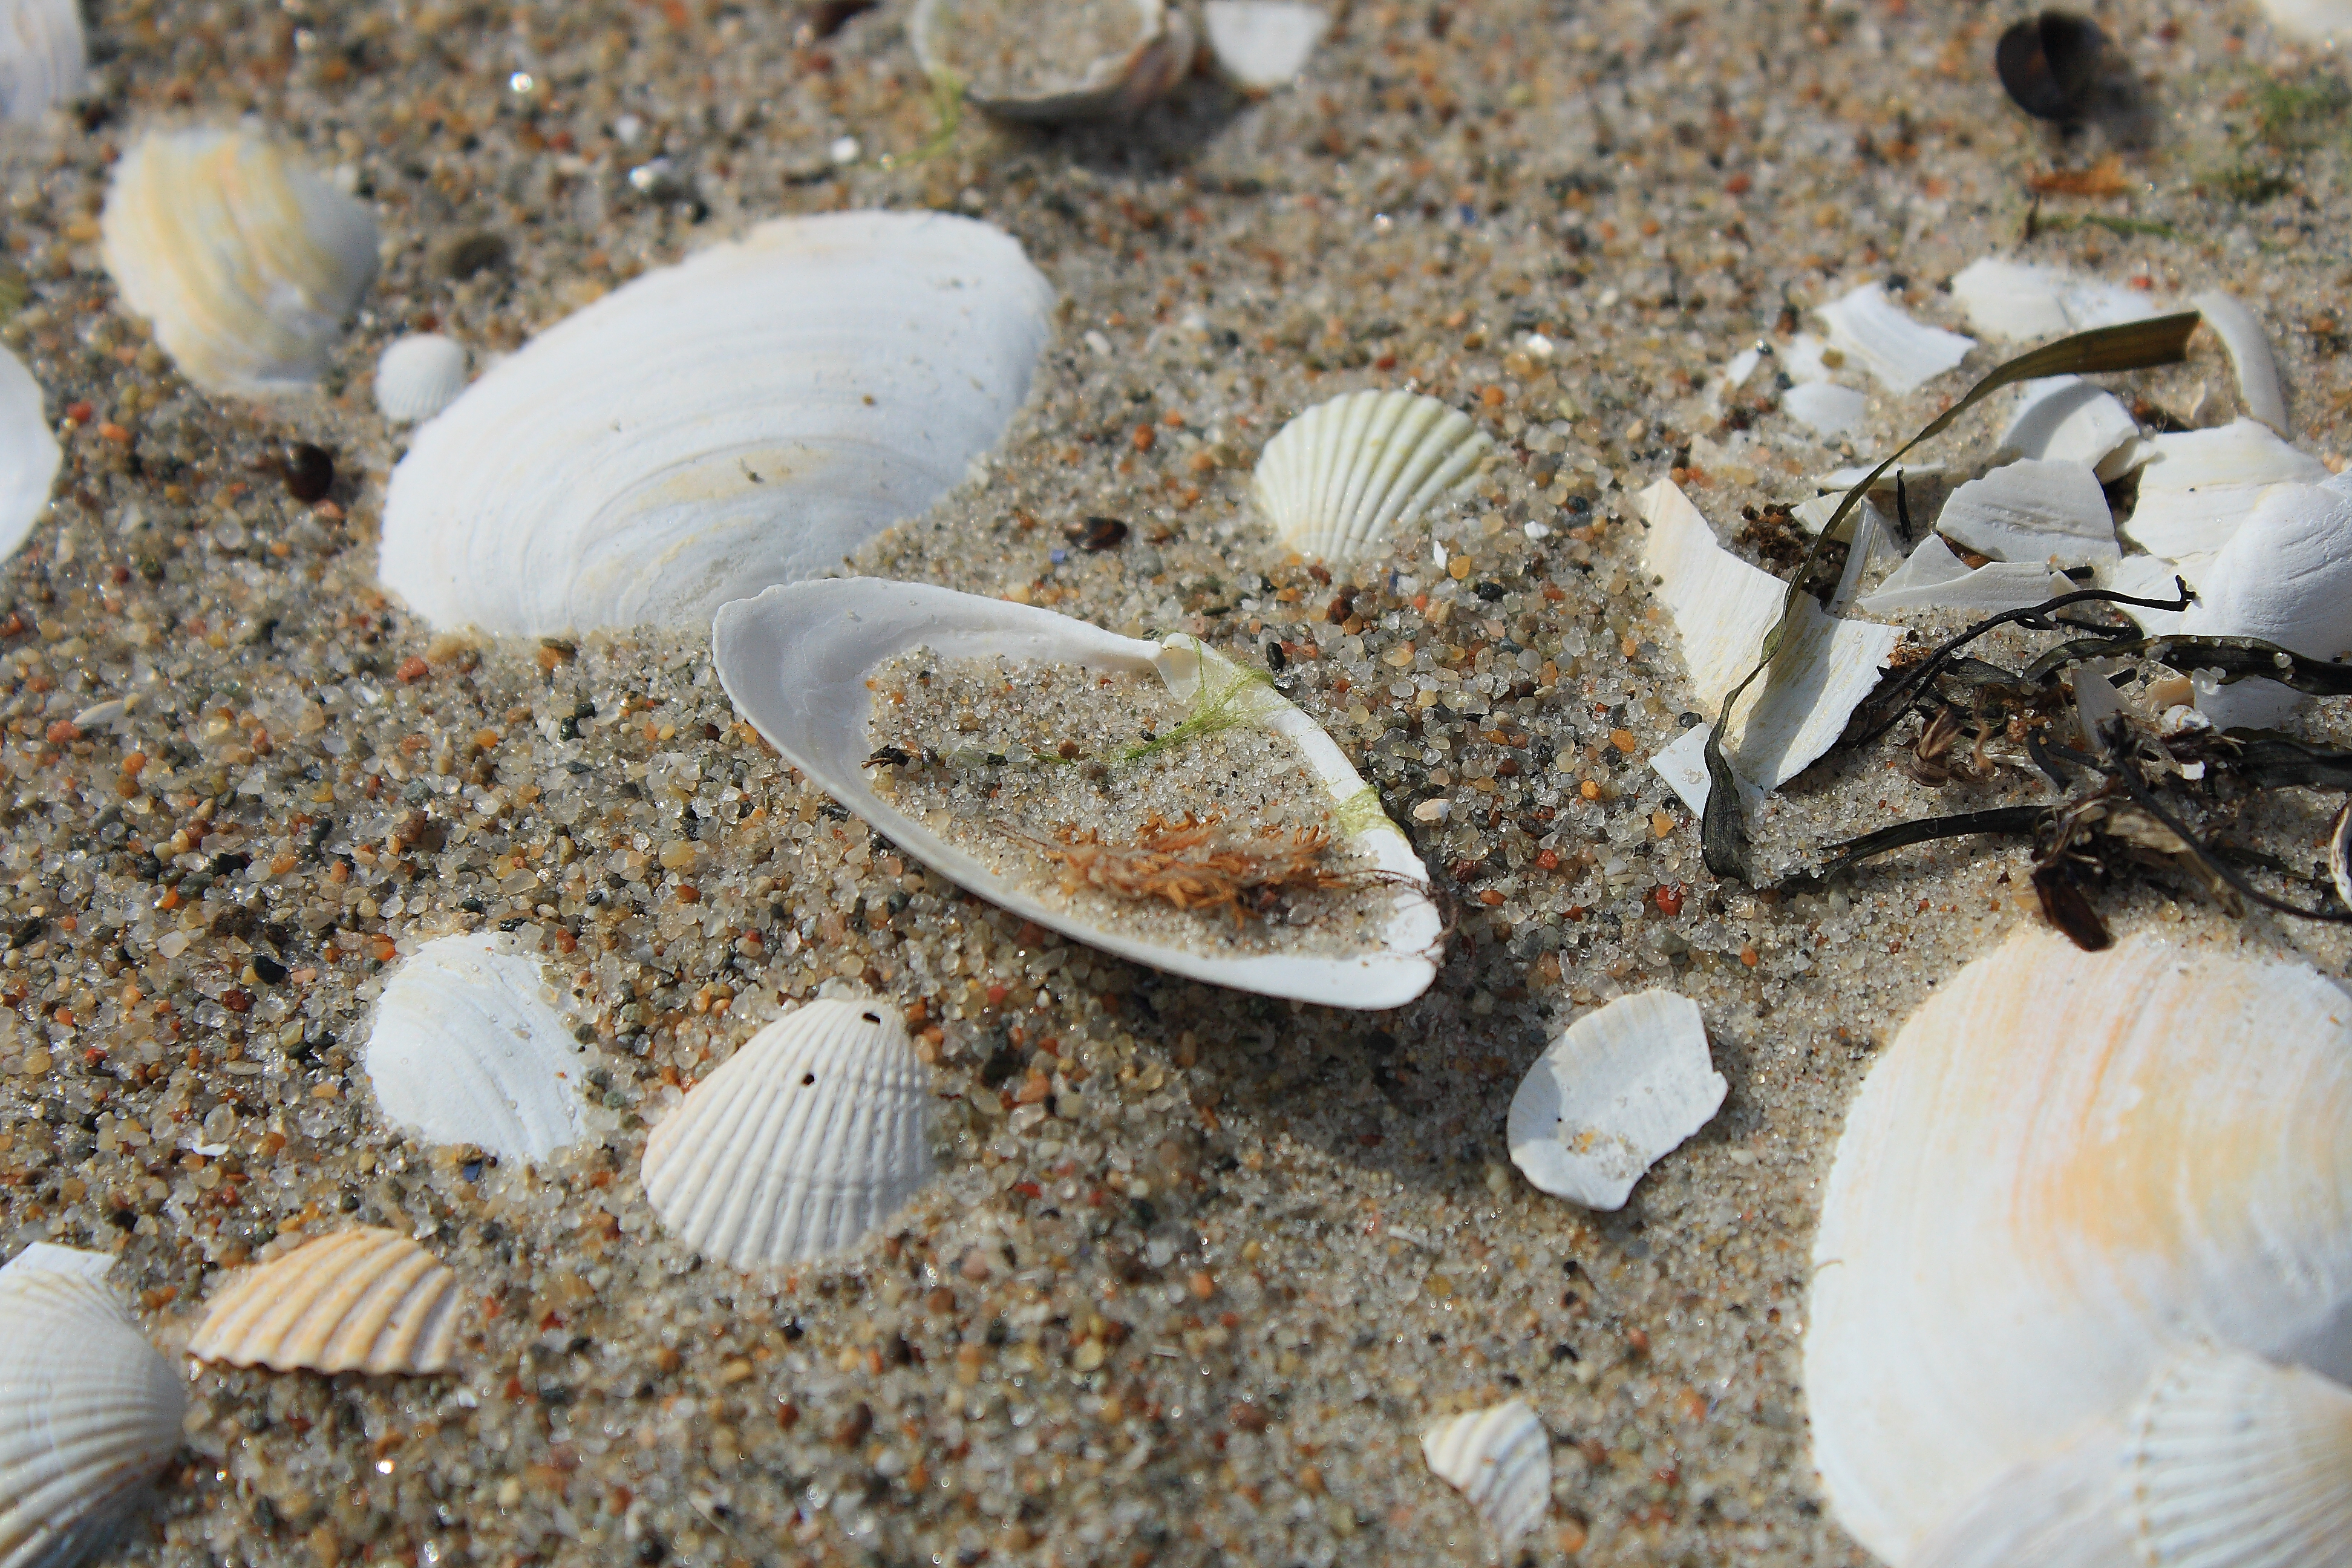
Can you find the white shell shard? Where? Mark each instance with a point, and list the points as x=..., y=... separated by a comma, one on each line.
x=787, y=397
x=419, y=375
x=2052, y=514
x=2249, y=355
x=1046, y=61
x=2067, y=1169
x=29, y=454
x=2063, y=418
x=1338, y=480
x=44, y=59
x=800, y=1143
x=2198, y=484
x=1611, y=1095
x=2319, y=20
x=2340, y=854
x=1838, y=481
x=48, y=1257
x=1826, y=410
x=2285, y=575
x=1723, y=608
x=464, y=1049
x=359, y=1301
x=1901, y=353
x=1263, y=43
x=245, y=257
x=2014, y=300
x=794, y=660
x=1683, y=765
x=1498, y=1457
x=88, y=1414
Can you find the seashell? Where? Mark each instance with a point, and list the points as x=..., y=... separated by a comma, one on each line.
x=2050, y=512
x=1723, y=608
x=2198, y=484
x=788, y=396
x=1498, y=1457
x=88, y=1414
x=1839, y=480
x=1827, y=410
x=2285, y=574
x=359, y=1301
x=29, y=454
x=1614, y=1093
x=1338, y=480
x=2249, y=355
x=48, y=1257
x=2069, y=1170
x=800, y=1143
x=419, y=375
x=1901, y=353
x=2063, y=418
x=2050, y=64
x=2340, y=854
x=1683, y=765
x=1936, y=579
x=243, y=256
x=44, y=59
x=2318, y=20
x=794, y=660
x=464, y=1049
x=1047, y=60
x=2017, y=299
x=1263, y=43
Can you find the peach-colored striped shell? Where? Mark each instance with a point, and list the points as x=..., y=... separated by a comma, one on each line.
x=361, y=1300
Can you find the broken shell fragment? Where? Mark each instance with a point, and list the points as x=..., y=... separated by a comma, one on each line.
x=789, y=396
x=1903, y=354
x=1934, y=578
x=88, y=1414
x=2249, y=355
x=359, y=1301
x=244, y=256
x=2051, y=512
x=2198, y=485
x=417, y=376
x=1825, y=408
x=1048, y=60
x=43, y=58
x=1263, y=43
x=800, y=1143
x=1498, y=1457
x=29, y=454
x=2063, y=418
x=1338, y=480
x=1613, y=1094
x=2019, y=299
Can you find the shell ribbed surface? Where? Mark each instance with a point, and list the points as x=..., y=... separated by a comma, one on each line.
x=1341, y=477
x=359, y=1301
x=419, y=375
x=1500, y=1457
x=800, y=1143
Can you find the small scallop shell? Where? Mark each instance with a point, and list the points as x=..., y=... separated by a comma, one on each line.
x=1338, y=480
x=464, y=1049
x=1046, y=61
x=801, y=1142
x=1611, y=1095
x=88, y=1414
x=419, y=375
x=244, y=256
x=1500, y=1459
x=359, y=1301
x=43, y=57
x=29, y=454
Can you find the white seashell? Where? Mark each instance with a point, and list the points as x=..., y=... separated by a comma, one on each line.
x=2319, y=20
x=48, y=1257
x=88, y=1414
x=2013, y=300
x=2249, y=355
x=29, y=454
x=1614, y=1093
x=419, y=375
x=1683, y=765
x=2067, y=1170
x=1901, y=353
x=1046, y=61
x=359, y=1301
x=2063, y=418
x=800, y=1144
x=2285, y=575
x=2340, y=854
x=1723, y=608
x=1841, y=480
x=2046, y=513
x=1338, y=480
x=243, y=256
x=1498, y=1457
x=1936, y=579
x=463, y=1050
x=786, y=398
x=1263, y=44
x=2198, y=484
x=1825, y=409
x=44, y=59
x=794, y=660
x=1870, y=545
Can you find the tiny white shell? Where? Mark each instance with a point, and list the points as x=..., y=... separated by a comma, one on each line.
x=244, y=256
x=88, y=1414
x=2198, y=484
x=1901, y=353
x=1047, y=60
x=2012, y=300
x=419, y=375
x=1263, y=43
x=1338, y=480
x=1498, y=1457
x=29, y=454
x=359, y=1301
x=2065, y=418
x=463, y=1050
x=44, y=59
x=1611, y=1095
x=800, y=1143
x=2052, y=514
x=1934, y=578
x=2250, y=354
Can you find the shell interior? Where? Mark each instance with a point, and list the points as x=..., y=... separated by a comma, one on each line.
x=359, y=1301
x=2045, y=511
x=2198, y=484
x=2017, y=299
x=1045, y=61
x=2065, y=418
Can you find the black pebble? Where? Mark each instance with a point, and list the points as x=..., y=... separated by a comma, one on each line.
x=309, y=472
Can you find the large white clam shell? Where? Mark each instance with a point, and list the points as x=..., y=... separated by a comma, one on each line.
x=419, y=375
x=29, y=454
x=801, y=1142
x=795, y=659
x=1500, y=1459
x=243, y=256
x=1613, y=1094
x=359, y=1301
x=746, y=417
x=464, y=1049
x=1338, y=480
x=88, y=1414
x=44, y=59
x=1047, y=60
x=2067, y=1171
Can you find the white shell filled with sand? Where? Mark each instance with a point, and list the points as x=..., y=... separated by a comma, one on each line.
x=43, y=58
x=1498, y=1457
x=1338, y=480
x=243, y=256
x=1613, y=1094
x=800, y=1143
x=363, y=1299
x=744, y=418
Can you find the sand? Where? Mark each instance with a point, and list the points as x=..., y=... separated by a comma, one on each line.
x=1196, y=1302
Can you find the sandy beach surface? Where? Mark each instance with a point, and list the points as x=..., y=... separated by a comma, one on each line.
x=1199, y=1267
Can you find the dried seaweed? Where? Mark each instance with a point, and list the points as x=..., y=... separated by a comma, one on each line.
x=1195, y=863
